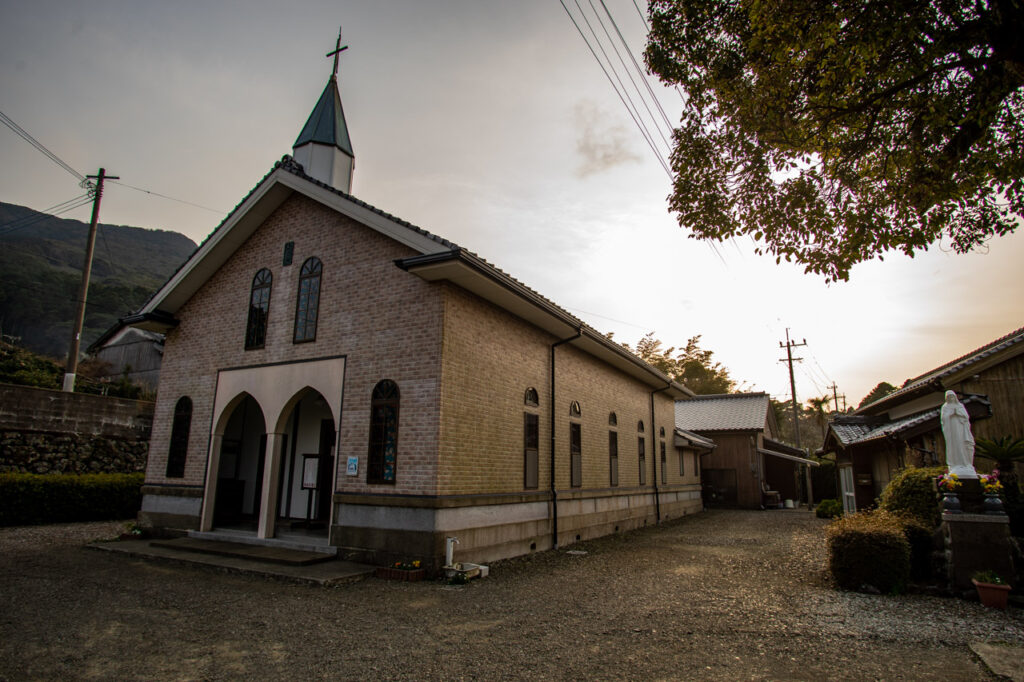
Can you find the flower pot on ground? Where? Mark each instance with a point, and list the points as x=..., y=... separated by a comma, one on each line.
x=407, y=571
x=993, y=592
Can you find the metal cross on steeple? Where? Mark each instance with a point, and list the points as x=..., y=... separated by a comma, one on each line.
x=337, y=48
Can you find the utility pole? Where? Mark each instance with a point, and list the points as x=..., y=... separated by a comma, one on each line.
x=789, y=346
x=835, y=396
x=76, y=332
x=789, y=359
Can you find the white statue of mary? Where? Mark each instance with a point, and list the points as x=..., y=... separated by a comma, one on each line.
x=956, y=430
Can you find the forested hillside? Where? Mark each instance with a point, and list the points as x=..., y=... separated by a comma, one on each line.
x=40, y=272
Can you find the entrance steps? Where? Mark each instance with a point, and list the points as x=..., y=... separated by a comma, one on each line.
x=272, y=554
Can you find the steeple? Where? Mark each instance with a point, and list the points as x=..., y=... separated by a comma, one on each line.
x=323, y=147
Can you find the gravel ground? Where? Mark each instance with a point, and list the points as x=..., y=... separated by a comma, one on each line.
x=727, y=595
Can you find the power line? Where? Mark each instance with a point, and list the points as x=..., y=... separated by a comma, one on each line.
x=164, y=196
x=39, y=146
x=27, y=221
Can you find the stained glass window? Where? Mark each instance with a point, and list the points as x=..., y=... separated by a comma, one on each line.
x=308, y=305
x=383, y=452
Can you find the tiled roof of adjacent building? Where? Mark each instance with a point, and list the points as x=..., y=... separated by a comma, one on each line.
x=932, y=380
x=723, y=412
x=858, y=429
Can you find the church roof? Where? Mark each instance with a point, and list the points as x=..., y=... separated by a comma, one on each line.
x=439, y=259
x=326, y=125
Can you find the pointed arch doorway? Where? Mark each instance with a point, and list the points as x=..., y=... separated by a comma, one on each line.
x=242, y=460
x=308, y=469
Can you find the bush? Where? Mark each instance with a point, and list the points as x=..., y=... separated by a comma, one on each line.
x=869, y=548
x=828, y=509
x=912, y=491
x=27, y=499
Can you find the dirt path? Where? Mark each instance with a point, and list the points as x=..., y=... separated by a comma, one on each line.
x=724, y=595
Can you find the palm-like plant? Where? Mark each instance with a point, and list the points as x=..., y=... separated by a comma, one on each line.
x=1006, y=452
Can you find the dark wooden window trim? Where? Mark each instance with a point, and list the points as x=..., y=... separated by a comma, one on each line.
x=177, y=452
x=259, y=310
x=613, y=458
x=307, y=304
x=531, y=448
x=382, y=455
x=575, y=454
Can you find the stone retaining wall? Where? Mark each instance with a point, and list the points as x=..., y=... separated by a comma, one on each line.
x=44, y=431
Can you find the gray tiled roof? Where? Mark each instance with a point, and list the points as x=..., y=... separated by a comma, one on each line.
x=936, y=375
x=724, y=412
x=864, y=431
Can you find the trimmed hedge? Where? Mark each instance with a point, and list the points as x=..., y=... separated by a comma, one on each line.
x=28, y=499
x=869, y=549
x=912, y=491
x=828, y=509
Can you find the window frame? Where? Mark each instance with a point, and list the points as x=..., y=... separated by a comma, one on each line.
x=531, y=450
x=377, y=455
x=255, y=327
x=303, y=296
x=177, y=447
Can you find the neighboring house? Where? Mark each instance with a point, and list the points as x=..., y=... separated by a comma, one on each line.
x=902, y=429
x=131, y=353
x=330, y=367
x=748, y=468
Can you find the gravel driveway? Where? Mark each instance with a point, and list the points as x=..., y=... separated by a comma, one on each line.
x=724, y=595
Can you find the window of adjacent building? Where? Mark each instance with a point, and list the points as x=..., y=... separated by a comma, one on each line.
x=575, y=453
x=682, y=463
x=383, y=452
x=180, y=427
x=696, y=464
x=308, y=304
x=259, y=310
x=613, y=458
x=531, y=441
x=641, y=449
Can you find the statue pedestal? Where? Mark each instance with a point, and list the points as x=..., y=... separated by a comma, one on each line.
x=975, y=542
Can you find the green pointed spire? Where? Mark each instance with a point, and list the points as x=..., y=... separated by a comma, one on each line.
x=326, y=125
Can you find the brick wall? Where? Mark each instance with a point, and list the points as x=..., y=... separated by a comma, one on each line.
x=385, y=321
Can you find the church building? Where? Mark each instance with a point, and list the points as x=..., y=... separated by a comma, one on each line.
x=336, y=375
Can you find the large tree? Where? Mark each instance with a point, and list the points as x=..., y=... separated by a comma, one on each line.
x=693, y=366
x=832, y=131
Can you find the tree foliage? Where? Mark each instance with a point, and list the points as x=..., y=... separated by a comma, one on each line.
x=883, y=389
x=834, y=131
x=692, y=366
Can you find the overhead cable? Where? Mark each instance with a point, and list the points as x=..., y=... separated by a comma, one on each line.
x=39, y=146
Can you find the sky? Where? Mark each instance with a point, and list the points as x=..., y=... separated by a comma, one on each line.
x=487, y=122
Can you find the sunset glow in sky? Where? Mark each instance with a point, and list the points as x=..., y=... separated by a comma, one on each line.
x=486, y=122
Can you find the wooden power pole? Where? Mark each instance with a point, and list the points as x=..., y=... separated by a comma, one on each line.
x=789, y=346
x=76, y=332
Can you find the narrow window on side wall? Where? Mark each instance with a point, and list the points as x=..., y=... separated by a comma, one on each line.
x=177, y=453
x=641, y=449
x=382, y=458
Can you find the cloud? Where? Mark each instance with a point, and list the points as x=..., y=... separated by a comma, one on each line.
x=599, y=145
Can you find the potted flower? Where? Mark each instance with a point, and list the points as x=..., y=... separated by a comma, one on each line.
x=992, y=589
x=948, y=483
x=407, y=571
x=992, y=486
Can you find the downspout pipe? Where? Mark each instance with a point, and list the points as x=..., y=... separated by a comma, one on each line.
x=551, y=401
x=657, y=453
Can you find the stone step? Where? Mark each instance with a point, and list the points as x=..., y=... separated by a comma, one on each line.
x=263, y=553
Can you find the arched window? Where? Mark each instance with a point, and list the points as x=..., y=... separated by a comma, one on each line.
x=640, y=426
x=531, y=399
x=178, y=450
x=661, y=432
x=383, y=452
x=574, y=409
x=309, y=300
x=259, y=309
x=613, y=420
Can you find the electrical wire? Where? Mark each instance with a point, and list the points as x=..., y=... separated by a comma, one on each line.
x=6, y=120
x=27, y=221
x=164, y=196
x=622, y=98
